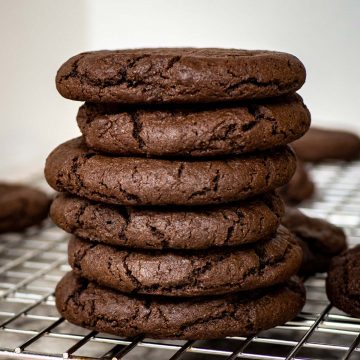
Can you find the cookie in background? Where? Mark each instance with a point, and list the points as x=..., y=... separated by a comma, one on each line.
x=343, y=282
x=300, y=187
x=319, y=239
x=320, y=144
x=21, y=206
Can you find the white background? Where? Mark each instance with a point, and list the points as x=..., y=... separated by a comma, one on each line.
x=37, y=36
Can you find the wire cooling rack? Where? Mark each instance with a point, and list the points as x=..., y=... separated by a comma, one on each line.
x=32, y=263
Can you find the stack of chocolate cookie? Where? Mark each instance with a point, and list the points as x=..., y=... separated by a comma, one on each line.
x=170, y=193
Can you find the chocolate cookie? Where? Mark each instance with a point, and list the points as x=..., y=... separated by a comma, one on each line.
x=196, y=131
x=72, y=167
x=319, y=240
x=299, y=188
x=343, y=282
x=321, y=144
x=178, y=75
x=177, y=273
x=21, y=206
x=242, y=314
x=176, y=228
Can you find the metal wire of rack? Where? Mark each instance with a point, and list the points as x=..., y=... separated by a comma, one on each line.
x=32, y=263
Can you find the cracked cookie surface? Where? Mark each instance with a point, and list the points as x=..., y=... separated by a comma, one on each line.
x=185, y=274
x=343, y=281
x=21, y=206
x=242, y=314
x=319, y=239
x=178, y=75
x=73, y=168
x=193, y=131
x=169, y=227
